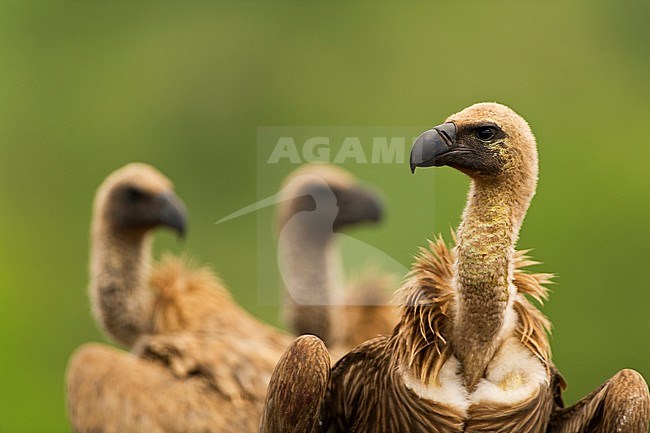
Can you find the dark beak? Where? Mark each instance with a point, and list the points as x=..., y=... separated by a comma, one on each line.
x=172, y=213
x=357, y=205
x=431, y=145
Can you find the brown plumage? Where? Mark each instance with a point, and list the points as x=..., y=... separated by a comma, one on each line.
x=619, y=405
x=471, y=353
x=294, y=409
x=204, y=362
x=316, y=202
x=420, y=347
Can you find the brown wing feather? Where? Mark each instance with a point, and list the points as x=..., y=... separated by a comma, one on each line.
x=297, y=388
x=622, y=404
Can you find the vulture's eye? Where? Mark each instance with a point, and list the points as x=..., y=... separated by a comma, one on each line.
x=485, y=133
x=134, y=194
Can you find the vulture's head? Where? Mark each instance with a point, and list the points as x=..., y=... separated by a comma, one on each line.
x=331, y=195
x=137, y=198
x=485, y=141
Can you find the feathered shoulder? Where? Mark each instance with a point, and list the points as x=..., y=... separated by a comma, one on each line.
x=189, y=298
x=198, y=330
x=427, y=299
x=183, y=292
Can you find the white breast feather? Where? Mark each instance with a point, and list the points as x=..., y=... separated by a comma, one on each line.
x=514, y=375
x=449, y=390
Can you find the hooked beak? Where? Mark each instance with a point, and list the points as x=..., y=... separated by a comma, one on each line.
x=172, y=213
x=357, y=205
x=431, y=145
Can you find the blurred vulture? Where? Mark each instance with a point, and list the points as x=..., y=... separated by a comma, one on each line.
x=471, y=352
x=204, y=362
x=315, y=203
x=198, y=361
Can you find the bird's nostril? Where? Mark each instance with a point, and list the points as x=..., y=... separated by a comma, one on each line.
x=448, y=132
x=446, y=137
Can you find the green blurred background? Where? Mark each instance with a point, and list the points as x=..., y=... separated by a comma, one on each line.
x=87, y=86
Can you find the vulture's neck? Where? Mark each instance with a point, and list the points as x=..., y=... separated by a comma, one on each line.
x=483, y=272
x=311, y=275
x=119, y=289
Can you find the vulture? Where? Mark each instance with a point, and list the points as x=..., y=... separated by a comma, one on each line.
x=471, y=352
x=317, y=201
x=197, y=361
